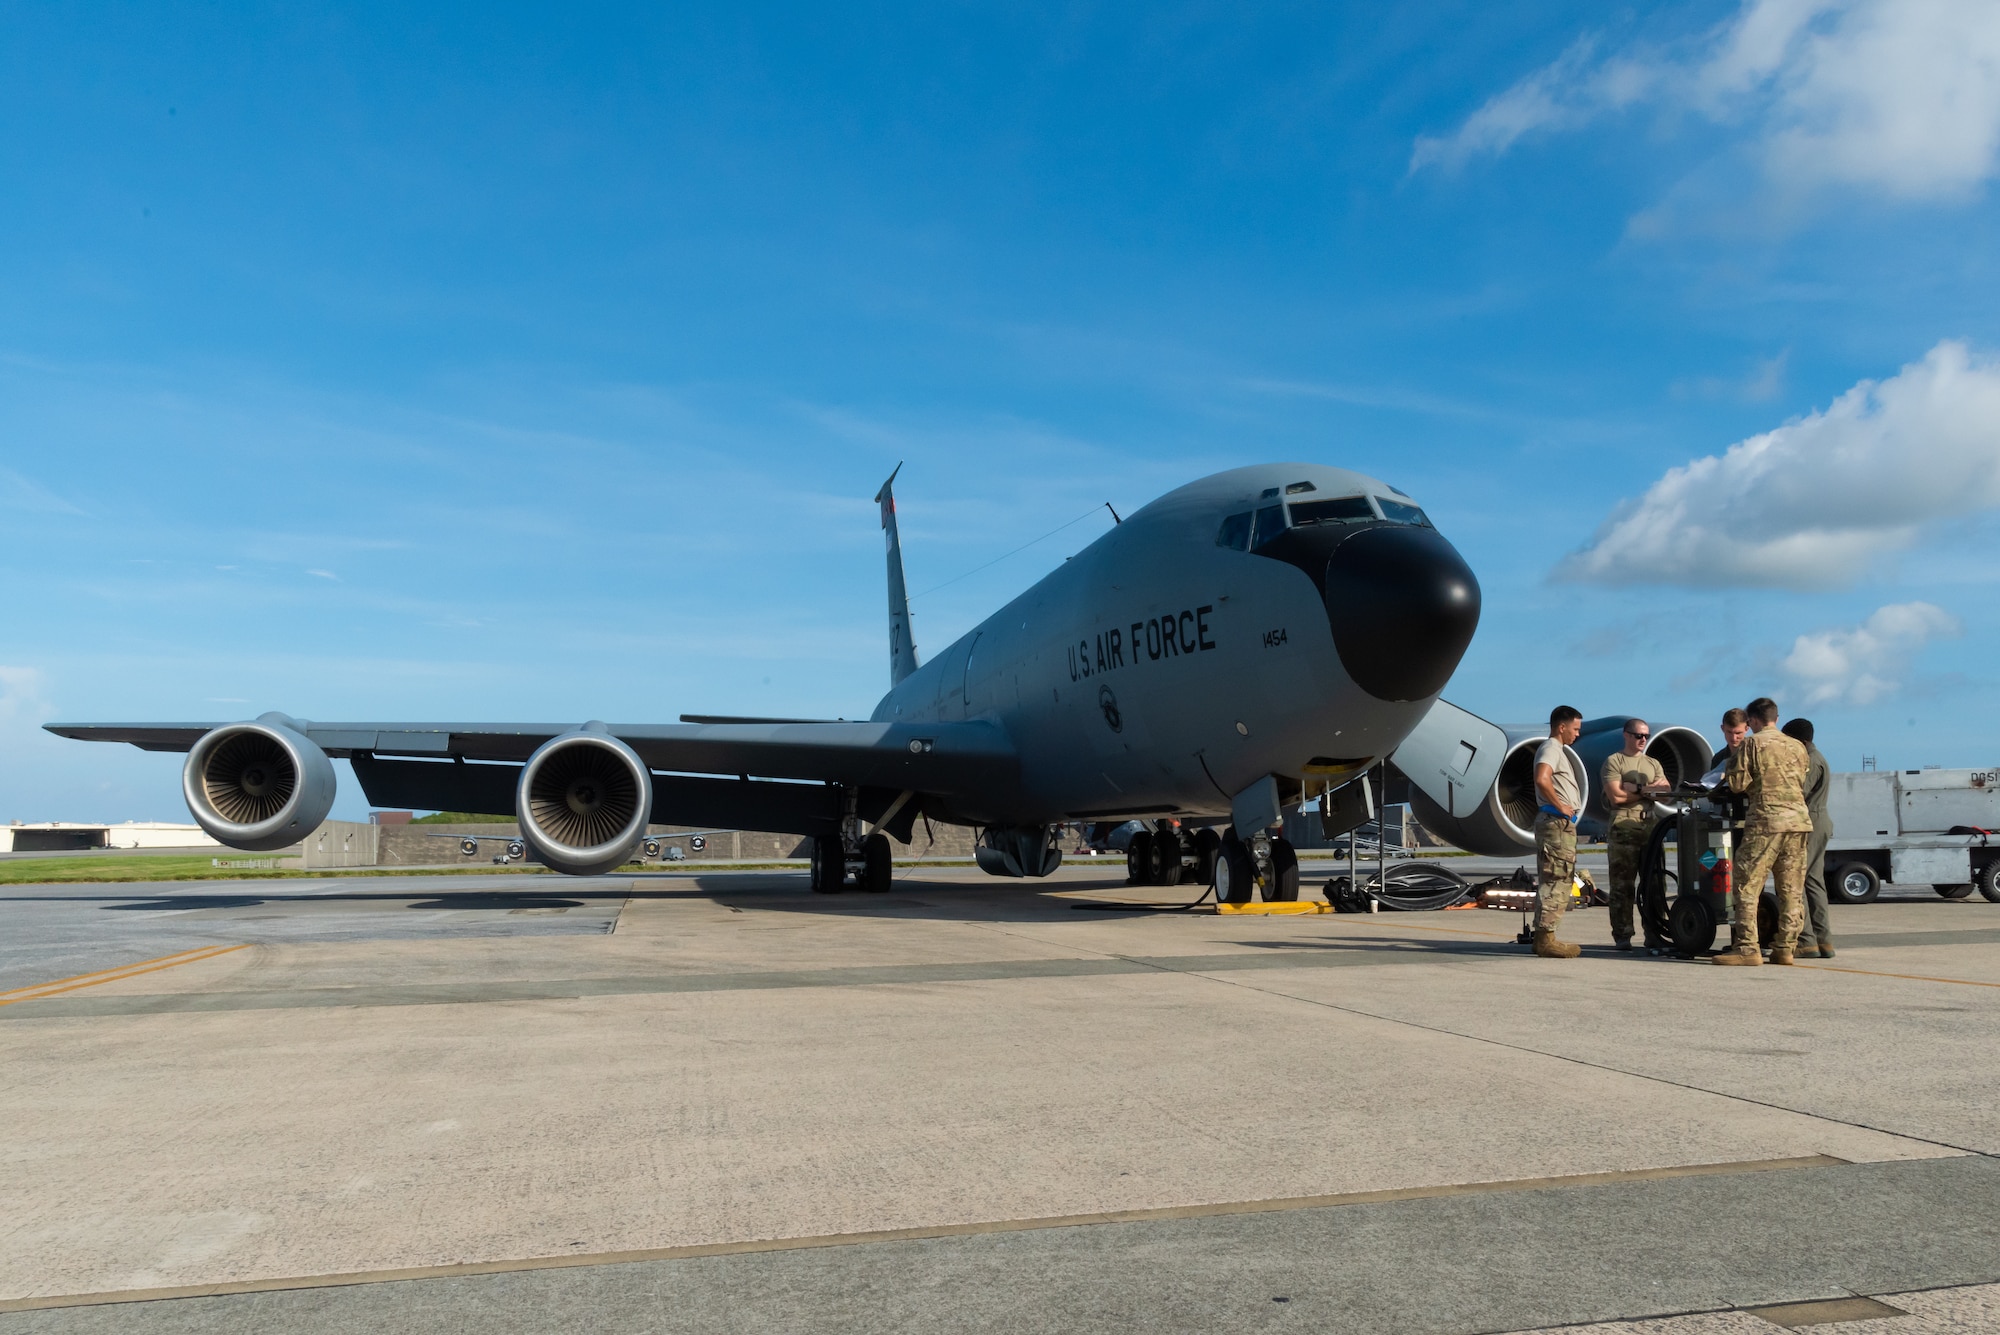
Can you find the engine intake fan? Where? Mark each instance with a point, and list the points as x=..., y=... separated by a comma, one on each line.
x=584, y=800
x=258, y=786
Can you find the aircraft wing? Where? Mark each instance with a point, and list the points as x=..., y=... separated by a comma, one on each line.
x=398, y=763
x=1453, y=756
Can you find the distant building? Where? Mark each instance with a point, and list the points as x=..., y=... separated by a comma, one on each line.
x=60, y=835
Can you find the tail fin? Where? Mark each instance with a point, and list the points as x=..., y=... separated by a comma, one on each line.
x=902, y=649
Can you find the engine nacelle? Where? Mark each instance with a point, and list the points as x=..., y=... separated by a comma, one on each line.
x=258, y=786
x=1018, y=850
x=1504, y=823
x=584, y=801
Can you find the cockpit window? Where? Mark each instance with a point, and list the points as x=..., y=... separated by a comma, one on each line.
x=1402, y=512
x=1235, y=533
x=1270, y=523
x=1345, y=510
x=1294, y=488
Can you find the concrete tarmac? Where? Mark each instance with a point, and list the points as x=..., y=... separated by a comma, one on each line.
x=718, y=1102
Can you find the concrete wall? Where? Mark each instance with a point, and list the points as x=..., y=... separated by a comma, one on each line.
x=343, y=843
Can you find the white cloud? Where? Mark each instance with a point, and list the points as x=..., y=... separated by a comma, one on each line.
x=1901, y=96
x=1816, y=502
x=1860, y=665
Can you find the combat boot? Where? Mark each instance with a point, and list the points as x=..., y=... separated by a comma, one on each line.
x=1549, y=948
x=1826, y=950
x=1779, y=955
x=1740, y=954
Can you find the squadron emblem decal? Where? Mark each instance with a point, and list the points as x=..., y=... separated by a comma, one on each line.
x=1108, y=702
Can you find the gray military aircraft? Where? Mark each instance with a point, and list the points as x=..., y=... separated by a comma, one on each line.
x=1261, y=637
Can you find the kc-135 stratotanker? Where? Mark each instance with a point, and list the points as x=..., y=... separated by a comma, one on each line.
x=1262, y=637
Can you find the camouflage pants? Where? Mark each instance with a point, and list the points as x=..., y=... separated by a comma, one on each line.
x=1783, y=855
x=1626, y=844
x=1555, y=865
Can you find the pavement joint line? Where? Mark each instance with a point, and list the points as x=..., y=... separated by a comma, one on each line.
x=1913, y=977
x=694, y=1251
x=39, y=990
x=1595, y=1322
x=1601, y=1066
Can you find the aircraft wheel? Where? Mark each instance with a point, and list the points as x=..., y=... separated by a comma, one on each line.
x=829, y=867
x=1207, y=848
x=1164, y=864
x=1235, y=874
x=879, y=873
x=1284, y=888
x=1962, y=890
x=1692, y=925
x=1989, y=882
x=1853, y=883
x=1139, y=859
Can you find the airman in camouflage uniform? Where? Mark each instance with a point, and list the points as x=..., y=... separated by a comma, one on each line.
x=1769, y=769
x=1630, y=780
x=1555, y=831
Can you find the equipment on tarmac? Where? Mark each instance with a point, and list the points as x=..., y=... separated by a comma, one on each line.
x=1704, y=825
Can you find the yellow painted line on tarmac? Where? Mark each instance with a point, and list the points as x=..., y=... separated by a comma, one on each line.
x=83, y=980
x=746, y=1246
x=1913, y=977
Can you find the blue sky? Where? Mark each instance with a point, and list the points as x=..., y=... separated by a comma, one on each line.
x=490, y=363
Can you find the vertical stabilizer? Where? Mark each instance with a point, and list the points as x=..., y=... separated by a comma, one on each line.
x=902, y=649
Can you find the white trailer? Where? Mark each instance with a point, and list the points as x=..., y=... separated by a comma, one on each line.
x=1938, y=827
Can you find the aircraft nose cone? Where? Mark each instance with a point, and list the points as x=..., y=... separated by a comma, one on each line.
x=1403, y=604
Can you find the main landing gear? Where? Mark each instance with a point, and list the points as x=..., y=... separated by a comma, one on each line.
x=1237, y=868
x=1169, y=855
x=851, y=856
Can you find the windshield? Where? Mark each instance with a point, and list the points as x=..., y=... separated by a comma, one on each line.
x=1235, y=532
x=1270, y=523
x=1402, y=512
x=1345, y=510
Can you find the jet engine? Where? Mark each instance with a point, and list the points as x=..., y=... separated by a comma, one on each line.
x=584, y=800
x=1504, y=823
x=258, y=786
x=1683, y=753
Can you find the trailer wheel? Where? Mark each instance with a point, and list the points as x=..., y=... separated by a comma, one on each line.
x=1989, y=882
x=1692, y=924
x=1854, y=883
x=1963, y=890
x=1767, y=919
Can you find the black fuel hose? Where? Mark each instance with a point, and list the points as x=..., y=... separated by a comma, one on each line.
x=1652, y=894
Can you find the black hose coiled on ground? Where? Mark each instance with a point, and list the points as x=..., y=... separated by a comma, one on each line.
x=1415, y=887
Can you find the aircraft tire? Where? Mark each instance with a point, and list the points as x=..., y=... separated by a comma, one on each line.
x=1235, y=874
x=1139, y=859
x=1165, y=863
x=1284, y=873
x=829, y=867
x=1207, y=847
x=879, y=873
